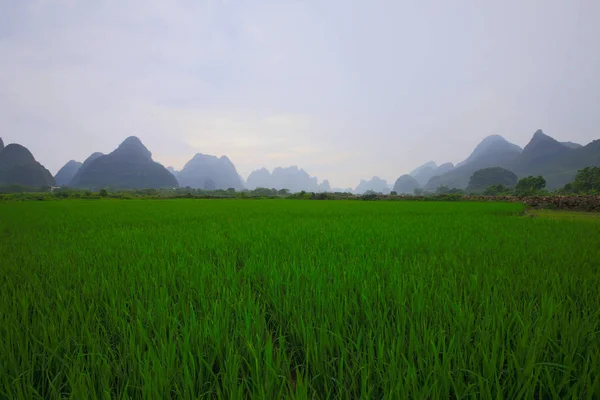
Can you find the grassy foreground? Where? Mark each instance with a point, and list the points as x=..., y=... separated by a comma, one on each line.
x=289, y=299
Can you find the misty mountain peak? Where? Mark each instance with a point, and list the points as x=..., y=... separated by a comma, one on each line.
x=493, y=139
x=430, y=165
x=65, y=175
x=571, y=145
x=132, y=141
x=492, y=144
x=205, y=171
x=375, y=184
x=18, y=167
x=201, y=157
x=1, y=144
x=133, y=146
x=88, y=161
x=539, y=137
x=15, y=154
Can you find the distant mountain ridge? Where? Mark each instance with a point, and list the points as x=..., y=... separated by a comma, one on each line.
x=493, y=151
x=65, y=175
x=430, y=169
x=292, y=178
x=19, y=167
x=406, y=184
x=75, y=179
x=130, y=166
x=556, y=161
x=209, y=172
x=375, y=184
x=572, y=145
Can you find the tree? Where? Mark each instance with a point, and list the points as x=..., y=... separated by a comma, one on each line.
x=209, y=185
x=497, y=190
x=587, y=181
x=393, y=193
x=283, y=192
x=103, y=193
x=484, y=178
x=442, y=189
x=530, y=185
x=456, y=191
x=418, y=192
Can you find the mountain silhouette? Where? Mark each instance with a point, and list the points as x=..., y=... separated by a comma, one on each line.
x=292, y=178
x=19, y=167
x=406, y=184
x=428, y=170
x=259, y=178
x=65, y=175
x=173, y=171
x=571, y=145
x=210, y=172
x=375, y=184
x=424, y=173
x=557, y=162
x=324, y=187
x=130, y=166
x=75, y=180
x=493, y=151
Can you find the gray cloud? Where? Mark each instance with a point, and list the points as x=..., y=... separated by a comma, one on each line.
x=344, y=89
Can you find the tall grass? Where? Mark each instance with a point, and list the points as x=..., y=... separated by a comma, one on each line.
x=292, y=299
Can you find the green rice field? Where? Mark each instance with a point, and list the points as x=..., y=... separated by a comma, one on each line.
x=274, y=299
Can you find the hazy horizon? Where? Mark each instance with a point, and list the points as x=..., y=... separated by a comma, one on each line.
x=345, y=90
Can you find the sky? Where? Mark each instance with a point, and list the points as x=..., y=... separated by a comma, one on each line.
x=346, y=89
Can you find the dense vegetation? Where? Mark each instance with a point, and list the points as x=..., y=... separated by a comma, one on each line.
x=274, y=299
x=486, y=177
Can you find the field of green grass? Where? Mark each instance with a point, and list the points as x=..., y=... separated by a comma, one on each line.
x=274, y=299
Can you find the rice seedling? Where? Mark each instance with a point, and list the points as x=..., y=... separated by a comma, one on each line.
x=290, y=299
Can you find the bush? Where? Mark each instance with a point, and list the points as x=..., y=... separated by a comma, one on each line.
x=530, y=186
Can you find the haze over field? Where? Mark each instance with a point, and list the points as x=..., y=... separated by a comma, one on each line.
x=346, y=90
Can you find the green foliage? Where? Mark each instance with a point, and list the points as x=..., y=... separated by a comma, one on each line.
x=296, y=299
x=587, y=181
x=22, y=189
x=103, y=193
x=530, y=186
x=484, y=178
x=442, y=190
x=393, y=193
x=456, y=191
x=497, y=190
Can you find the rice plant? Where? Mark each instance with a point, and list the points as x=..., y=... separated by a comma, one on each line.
x=273, y=299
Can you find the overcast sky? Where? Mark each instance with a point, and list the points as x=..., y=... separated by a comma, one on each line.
x=345, y=89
